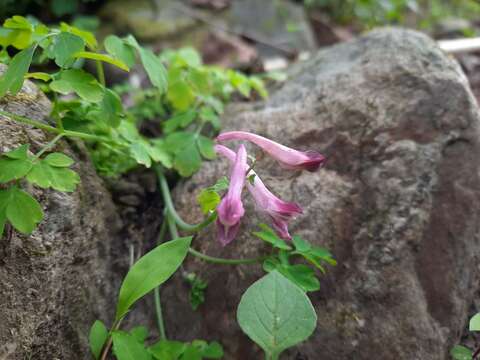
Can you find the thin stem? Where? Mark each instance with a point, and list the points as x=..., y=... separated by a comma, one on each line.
x=28, y=121
x=171, y=208
x=476, y=354
x=42, y=126
x=156, y=291
x=158, y=310
x=172, y=226
x=48, y=146
x=217, y=260
x=100, y=72
x=115, y=326
x=174, y=220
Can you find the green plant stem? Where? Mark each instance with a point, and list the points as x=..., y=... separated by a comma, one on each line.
x=115, y=326
x=158, y=310
x=174, y=220
x=100, y=72
x=42, y=126
x=156, y=291
x=172, y=226
x=48, y=146
x=224, y=261
x=167, y=198
x=28, y=121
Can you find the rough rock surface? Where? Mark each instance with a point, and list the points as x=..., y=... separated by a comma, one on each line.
x=57, y=281
x=397, y=203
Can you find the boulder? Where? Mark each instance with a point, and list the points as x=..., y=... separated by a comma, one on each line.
x=397, y=203
x=57, y=281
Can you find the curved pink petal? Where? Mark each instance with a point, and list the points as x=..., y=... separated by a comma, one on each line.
x=288, y=157
x=230, y=210
x=280, y=211
x=226, y=234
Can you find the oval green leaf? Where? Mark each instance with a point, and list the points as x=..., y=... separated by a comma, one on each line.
x=475, y=323
x=58, y=160
x=153, y=269
x=101, y=57
x=276, y=314
x=23, y=211
x=459, y=352
x=97, y=338
x=126, y=347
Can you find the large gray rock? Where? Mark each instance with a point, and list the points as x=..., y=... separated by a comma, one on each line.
x=398, y=203
x=56, y=282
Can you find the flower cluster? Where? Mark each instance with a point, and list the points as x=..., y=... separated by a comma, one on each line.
x=230, y=210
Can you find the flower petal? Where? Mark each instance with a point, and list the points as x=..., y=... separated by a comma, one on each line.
x=230, y=210
x=289, y=158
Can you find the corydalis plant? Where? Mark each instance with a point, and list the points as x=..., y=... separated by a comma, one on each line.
x=280, y=212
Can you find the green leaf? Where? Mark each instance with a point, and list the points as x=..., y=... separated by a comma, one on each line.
x=187, y=161
x=59, y=160
x=12, y=79
x=192, y=353
x=152, y=64
x=475, y=323
x=207, y=114
x=101, y=57
x=180, y=120
x=140, y=154
x=301, y=245
x=178, y=141
x=205, y=145
x=240, y=82
x=190, y=56
x=197, y=290
x=200, y=81
x=221, y=184
x=18, y=22
x=208, y=200
x=140, y=333
x=97, y=338
x=167, y=350
x=22, y=210
x=269, y=236
x=119, y=49
x=17, y=31
x=39, y=76
x=80, y=82
x=323, y=254
x=258, y=85
x=276, y=314
x=15, y=164
x=126, y=347
x=302, y=275
x=183, y=145
x=87, y=36
x=213, y=351
x=180, y=95
x=150, y=271
x=111, y=108
x=46, y=176
x=459, y=352
x=64, y=48
x=158, y=153
x=20, y=152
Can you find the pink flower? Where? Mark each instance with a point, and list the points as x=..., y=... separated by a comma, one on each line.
x=279, y=211
x=230, y=210
x=287, y=157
